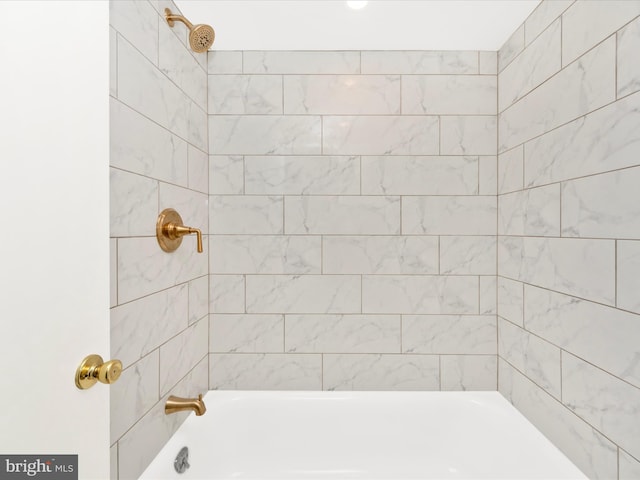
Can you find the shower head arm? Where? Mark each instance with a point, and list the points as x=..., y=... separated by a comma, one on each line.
x=171, y=18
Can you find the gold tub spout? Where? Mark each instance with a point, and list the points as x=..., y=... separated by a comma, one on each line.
x=178, y=404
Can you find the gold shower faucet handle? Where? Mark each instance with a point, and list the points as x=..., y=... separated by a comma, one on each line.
x=170, y=230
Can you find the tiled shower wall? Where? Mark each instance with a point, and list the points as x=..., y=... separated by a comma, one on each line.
x=353, y=220
x=159, y=316
x=569, y=230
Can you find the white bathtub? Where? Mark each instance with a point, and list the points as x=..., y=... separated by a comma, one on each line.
x=361, y=435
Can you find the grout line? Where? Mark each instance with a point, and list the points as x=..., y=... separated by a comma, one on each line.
x=322, y=237
x=615, y=280
x=615, y=83
x=561, y=41
x=561, y=377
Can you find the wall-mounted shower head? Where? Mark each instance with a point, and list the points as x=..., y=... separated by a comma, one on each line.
x=201, y=36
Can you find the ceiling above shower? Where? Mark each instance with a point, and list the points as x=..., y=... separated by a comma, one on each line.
x=379, y=25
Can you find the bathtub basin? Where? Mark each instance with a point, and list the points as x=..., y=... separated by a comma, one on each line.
x=361, y=435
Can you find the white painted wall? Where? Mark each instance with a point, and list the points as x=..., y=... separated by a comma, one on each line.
x=381, y=25
x=54, y=251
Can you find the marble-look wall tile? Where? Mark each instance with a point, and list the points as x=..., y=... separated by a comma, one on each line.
x=602, y=141
x=488, y=295
x=226, y=174
x=420, y=294
x=245, y=94
x=177, y=63
x=488, y=175
x=420, y=62
x=468, y=135
x=303, y=294
x=537, y=359
x=468, y=255
x=449, y=334
x=133, y=204
x=511, y=300
x=113, y=272
x=628, y=275
x=629, y=466
x=604, y=336
x=586, y=24
x=576, y=90
x=226, y=294
x=182, y=353
x=449, y=215
x=219, y=61
x=533, y=212
x=511, y=170
x=143, y=268
x=192, y=206
x=606, y=402
x=139, y=327
x=381, y=135
x=580, y=267
x=146, y=89
x=342, y=334
x=138, y=23
x=113, y=462
x=141, y=146
x=418, y=175
x=198, y=170
x=134, y=394
x=381, y=372
x=197, y=126
x=273, y=254
x=469, y=372
x=301, y=62
x=342, y=215
x=380, y=254
x=246, y=333
x=302, y=175
x=265, y=372
x=544, y=14
x=591, y=451
x=138, y=447
x=342, y=94
x=511, y=48
x=246, y=214
x=488, y=63
x=264, y=134
x=449, y=94
x=198, y=298
x=628, y=68
x=113, y=62
x=539, y=61
x=602, y=206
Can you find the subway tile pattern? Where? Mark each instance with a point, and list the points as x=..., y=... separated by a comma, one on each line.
x=352, y=209
x=568, y=231
x=159, y=158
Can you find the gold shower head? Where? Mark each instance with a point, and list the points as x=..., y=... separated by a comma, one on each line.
x=201, y=36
